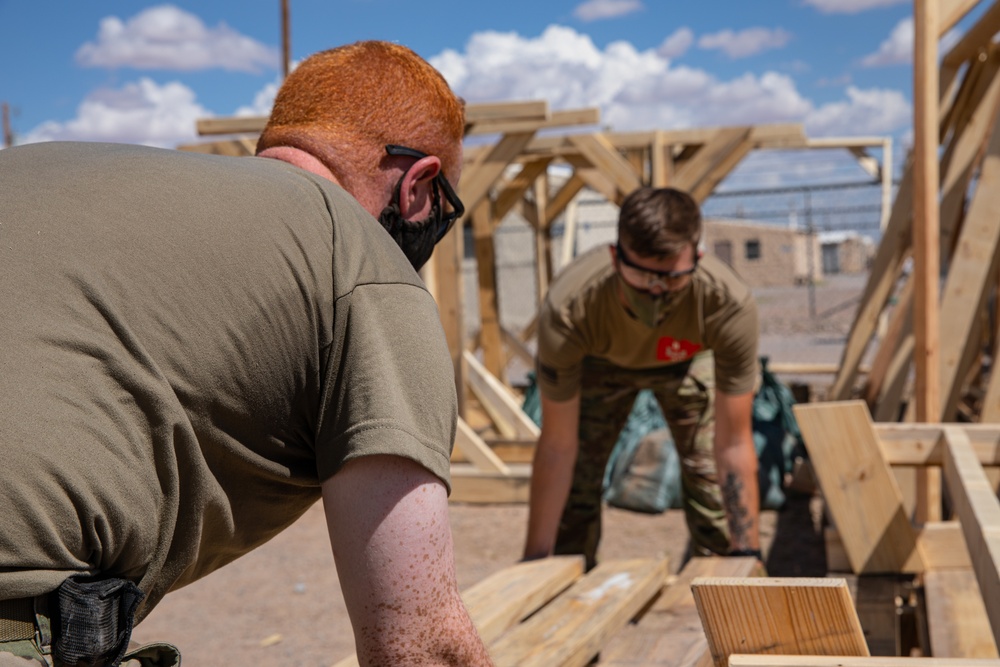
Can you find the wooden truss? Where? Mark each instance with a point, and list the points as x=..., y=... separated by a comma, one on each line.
x=958, y=561
x=969, y=207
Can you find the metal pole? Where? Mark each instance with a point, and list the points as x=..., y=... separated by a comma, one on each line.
x=810, y=255
x=286, y=42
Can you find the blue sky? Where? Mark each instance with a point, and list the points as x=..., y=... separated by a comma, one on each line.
x=144, y=72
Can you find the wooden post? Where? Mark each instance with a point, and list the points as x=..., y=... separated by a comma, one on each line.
x=926, y=233
x=286, y=41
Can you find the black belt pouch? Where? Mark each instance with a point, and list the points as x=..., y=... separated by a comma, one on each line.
x=95, y=620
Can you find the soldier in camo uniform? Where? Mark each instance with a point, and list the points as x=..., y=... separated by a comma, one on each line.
x=651, y=313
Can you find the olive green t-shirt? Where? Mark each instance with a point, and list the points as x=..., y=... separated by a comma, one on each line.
x=191, y=344
x=583, y=316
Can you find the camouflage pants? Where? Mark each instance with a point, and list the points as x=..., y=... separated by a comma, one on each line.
x=18, y=651
x=685, y=393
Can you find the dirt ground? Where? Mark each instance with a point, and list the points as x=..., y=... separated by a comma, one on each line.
x=282, y=605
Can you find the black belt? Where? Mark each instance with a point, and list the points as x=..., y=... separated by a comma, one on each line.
x=17, y=619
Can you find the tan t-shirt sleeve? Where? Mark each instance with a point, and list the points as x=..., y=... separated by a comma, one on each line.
x=560, y=354
x=733, y=335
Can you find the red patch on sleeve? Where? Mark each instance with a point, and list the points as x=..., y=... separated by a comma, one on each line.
x=670, y=349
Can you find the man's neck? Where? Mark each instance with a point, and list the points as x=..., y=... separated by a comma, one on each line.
x=300, y=159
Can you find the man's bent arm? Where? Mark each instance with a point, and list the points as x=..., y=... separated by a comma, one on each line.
x=552, y=474
x=388, y=523
x=736, y=463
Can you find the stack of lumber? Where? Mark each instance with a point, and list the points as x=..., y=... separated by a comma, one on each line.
x=548, y=613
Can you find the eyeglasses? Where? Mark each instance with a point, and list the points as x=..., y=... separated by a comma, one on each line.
x=445, y=220
x=645, y=278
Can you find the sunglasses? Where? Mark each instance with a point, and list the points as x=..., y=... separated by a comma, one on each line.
x=440, y=183
x=640, y=275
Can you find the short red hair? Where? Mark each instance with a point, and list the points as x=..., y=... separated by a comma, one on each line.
x=345, y=104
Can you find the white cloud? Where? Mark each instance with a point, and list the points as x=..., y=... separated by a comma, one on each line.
x=166, y=37
x=640, y=90
x=142, y=112
x=745, y=42
x=897, y=49
x=595, y=10
x=676, y=44
x=850, y=6
x=872, y=111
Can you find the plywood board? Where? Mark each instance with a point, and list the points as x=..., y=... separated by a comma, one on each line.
x=573, y=628
x=778, y=615
x=860, y=491
x=669, y=634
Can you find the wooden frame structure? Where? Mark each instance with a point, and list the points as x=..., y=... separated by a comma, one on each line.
x=966, y=241
x=959, y=561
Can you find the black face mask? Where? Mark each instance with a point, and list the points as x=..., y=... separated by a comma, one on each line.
x=416, y=238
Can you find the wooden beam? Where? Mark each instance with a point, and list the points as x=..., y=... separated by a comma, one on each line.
x=234, y=125
x=563, y=198
x=603, y=156
x=969, y=280
x=476, y=451
x=861, y=493
x=976, y=39
x=471, y=485
x=715, y=152
x=922, y=444
x=446, y=268
x=926, y=223
x=515, y=189
x=481, y=176
x=789, y=616
x=520, y=110
x=669, y=634
x=886, y=267
x=573, y=628
x=489, y=310
x=844, y=661
x=953, y=11
x=498, y=400
x=956, y=616
x=978, y=509
x=575, y=117
x=507, y=597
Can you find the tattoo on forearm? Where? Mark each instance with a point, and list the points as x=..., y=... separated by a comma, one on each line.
x=740, y=522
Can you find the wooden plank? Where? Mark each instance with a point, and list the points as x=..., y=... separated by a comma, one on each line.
x=921, y=444
x=498, y=400
x=886, y=267
x=944, y=546
x=900, y=325
x=445, y=268
x=573, y=628
x=517, y=186
x=975, y=38
x=712, y=154
x=926, y=222
x=233, y=125
x=520, y=110
x=499, y=601
x=478, y=178
x=669, y=634
x=517, y=348
x=978, y=509
x=507, y=597
x=956, y=616
x=860, y=490
x=513, y=451
x=563, y=198
x=575, y=117
x=471, y=485
x=486, y=274
x=969, y=279
x=706, y=186
x=476, y=451
x=602, y=155
x=599, y=182
x=661, y=162
x=737, y=660
x=778, y=615
x=953, y=11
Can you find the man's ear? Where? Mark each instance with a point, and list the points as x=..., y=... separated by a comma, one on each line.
x=416, y=193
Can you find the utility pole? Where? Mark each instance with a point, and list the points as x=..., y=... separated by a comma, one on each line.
x=8, y=133
x=286, y=46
